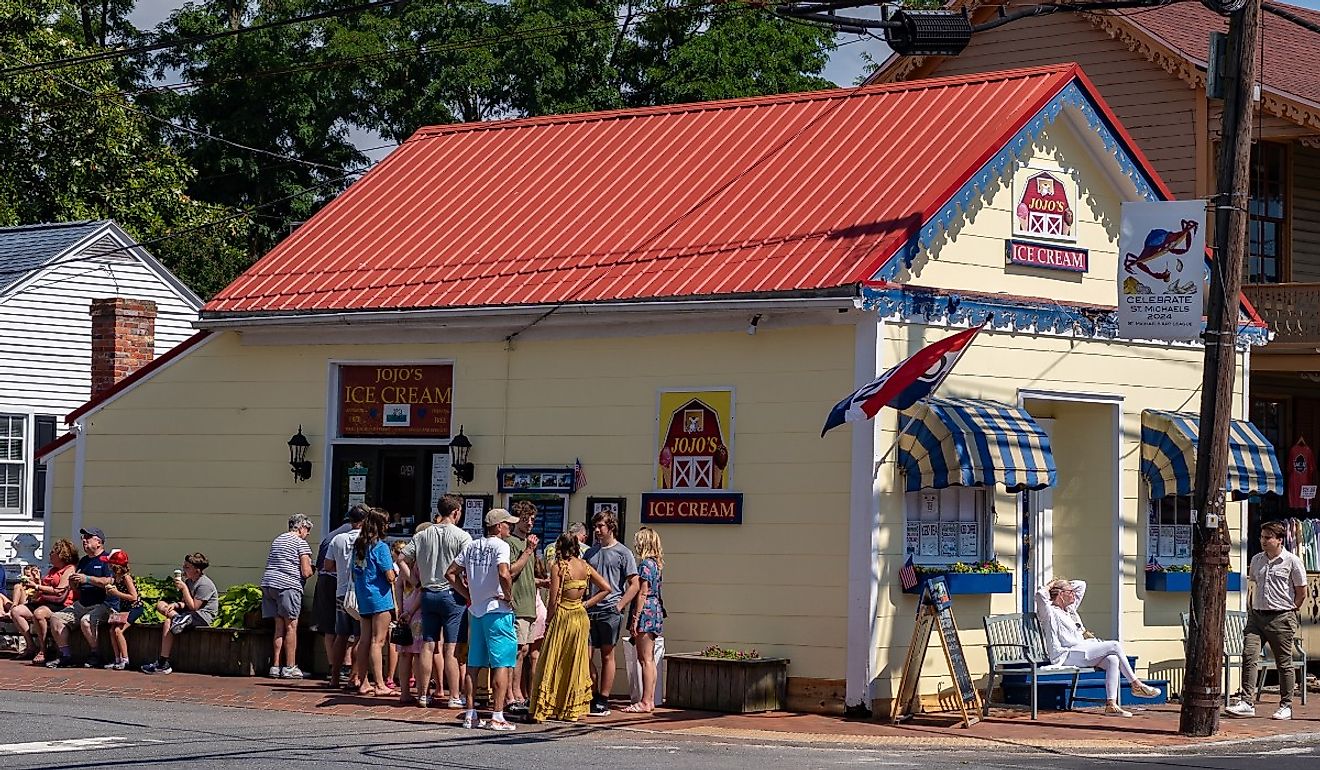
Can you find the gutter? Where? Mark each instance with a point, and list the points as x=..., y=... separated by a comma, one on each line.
x=844, y=299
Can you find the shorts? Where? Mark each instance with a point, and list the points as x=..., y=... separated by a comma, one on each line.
x=281, y=602
x=443, y=611
x=323, y=604
x=492, y=642
x=74, y=613
x=606, y=627
x=183, y=621
x=345, y=624
x=523, y=628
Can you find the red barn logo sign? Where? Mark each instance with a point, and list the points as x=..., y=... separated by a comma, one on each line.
x=694, y=445
x=1045, y=205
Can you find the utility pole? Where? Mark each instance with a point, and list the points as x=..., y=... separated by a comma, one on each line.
x=1202, y=698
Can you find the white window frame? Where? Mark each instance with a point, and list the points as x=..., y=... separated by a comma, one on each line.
x=955, y=507
x=1162, y=537
x=23, y=462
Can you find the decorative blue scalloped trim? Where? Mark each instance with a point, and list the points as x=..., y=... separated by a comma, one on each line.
x=989, y=175
x=917, y=305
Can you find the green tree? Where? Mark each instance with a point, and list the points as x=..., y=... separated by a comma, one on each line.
x=71, y=148
x=266, y=111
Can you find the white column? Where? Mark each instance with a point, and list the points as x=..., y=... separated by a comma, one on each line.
x=863, y=527
x=79, y=466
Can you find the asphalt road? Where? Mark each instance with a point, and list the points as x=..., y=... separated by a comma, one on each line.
x=58, y=731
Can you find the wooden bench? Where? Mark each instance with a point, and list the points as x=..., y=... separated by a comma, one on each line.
x=1015, y=646
x=1235, y=624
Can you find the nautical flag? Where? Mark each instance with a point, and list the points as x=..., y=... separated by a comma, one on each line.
x=912, y=380
x=579, y=475
x=907, y=576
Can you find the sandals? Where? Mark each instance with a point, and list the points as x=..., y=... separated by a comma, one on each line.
x=635, y=708
x=39, y=659
x=1142, y=690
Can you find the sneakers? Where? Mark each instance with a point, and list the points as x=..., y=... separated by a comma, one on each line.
x=118, y=665
x=1142, y=690
x=499, y=725
x=1244, y=709
x=93, y=661
x=1283, y=712
x=470, y=720
x=292, y=672
x=275, y=672
x=423, y=701
x=599, y=708
x=60, y=663
x=517, y=707
x=157, y=668
x=1114, y=710
x=457, y=703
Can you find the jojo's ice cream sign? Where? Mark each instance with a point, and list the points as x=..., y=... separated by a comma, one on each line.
x=694, y=437
x=1044, y=205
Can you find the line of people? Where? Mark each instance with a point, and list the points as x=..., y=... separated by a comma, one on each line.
x=450, y=608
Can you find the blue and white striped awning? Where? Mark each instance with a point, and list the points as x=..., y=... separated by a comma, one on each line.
x=972, y=443
x=1168, y=456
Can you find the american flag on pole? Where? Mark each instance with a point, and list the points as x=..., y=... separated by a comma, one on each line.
x=907, y=576
x=1154, y=566
x=579, y=475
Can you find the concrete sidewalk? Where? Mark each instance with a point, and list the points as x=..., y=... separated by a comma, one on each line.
x=1006, y=729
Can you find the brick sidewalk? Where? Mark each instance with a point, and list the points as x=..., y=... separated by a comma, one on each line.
x=1152, y=728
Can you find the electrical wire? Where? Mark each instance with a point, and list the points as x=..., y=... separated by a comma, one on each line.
x=120, y=53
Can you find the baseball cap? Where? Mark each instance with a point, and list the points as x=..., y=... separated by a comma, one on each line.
x=93, y=532
x=118, y=557
x=499, y=516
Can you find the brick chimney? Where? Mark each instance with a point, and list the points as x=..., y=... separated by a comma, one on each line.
x=123, y=339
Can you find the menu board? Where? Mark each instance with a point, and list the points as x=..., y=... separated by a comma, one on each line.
x=969, y=537
x=930, y=538
x=912, y=538
x=949, y=539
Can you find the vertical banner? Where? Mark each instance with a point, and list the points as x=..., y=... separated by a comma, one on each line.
x=1161, y=270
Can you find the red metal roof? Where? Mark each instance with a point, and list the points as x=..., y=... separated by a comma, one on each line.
x=793, y=193
x=1286, y=47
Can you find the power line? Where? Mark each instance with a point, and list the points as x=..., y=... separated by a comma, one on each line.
x=176, y=127
x=120, y=53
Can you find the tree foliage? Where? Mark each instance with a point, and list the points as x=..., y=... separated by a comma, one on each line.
x=68, y=153
x=260, y=129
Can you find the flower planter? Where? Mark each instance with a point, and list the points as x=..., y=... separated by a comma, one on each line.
x=1182, y=581
x=719, y=684
x=971, y=583
x=218, y=651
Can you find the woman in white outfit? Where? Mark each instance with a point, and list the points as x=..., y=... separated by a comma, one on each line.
x=1068, y=643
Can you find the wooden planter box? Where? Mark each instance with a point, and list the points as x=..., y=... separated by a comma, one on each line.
x=1182, y=581
x=971, y=583
x=733, y=686
x=218, y=651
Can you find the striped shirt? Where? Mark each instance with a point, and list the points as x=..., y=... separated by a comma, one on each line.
x=283, y=565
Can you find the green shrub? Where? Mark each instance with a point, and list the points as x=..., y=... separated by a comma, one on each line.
x=152, y=590
x=728, y=653
x=236, y=603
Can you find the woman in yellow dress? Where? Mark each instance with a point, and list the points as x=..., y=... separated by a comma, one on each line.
x=562, y=688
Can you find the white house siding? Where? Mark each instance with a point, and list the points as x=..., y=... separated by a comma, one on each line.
x=45, y=343
x=1306, y=214
x=1154, y=106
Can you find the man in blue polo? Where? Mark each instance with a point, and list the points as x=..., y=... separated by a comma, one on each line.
x=91, y=607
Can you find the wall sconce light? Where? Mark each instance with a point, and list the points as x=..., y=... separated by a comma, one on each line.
x=752, y=324
x=302, y=467
x=459, y=447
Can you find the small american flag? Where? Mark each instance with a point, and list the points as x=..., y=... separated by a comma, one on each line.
x=908, y=574
x=1153, y=565
x=579, y=475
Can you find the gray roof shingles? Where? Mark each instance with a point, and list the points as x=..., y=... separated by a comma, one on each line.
x=28, y=247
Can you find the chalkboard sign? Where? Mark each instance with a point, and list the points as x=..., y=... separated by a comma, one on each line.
x=935, y=613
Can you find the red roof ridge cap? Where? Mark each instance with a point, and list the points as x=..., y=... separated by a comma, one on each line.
x=926, y=84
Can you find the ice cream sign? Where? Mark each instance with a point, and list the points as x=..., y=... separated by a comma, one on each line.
x=694, y=438
x=1044, y=205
